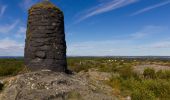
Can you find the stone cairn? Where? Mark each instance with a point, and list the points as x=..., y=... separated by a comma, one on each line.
x=45, y=47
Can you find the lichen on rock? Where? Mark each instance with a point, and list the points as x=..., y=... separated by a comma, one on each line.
x=44, y=5
x=48, y=85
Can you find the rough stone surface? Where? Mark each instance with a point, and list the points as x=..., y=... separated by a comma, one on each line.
x=49, y=85
x=45, y=38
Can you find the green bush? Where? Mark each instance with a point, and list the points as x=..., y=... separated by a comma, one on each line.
x=126, y=71
x=163, y=74
x=149, y=73
x=146, y=89
x=114, y=83
x=161, y=88
x=142, y=94
x=140, y=88
x=10, y=66
x=107, y=68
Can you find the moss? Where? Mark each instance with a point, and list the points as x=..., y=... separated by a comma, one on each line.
x=74, y=96
x=44, y=6
x=28, y=33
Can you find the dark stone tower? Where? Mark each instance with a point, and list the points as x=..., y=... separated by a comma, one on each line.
x=45, y=46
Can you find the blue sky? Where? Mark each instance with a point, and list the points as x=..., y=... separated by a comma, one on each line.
x=96, y=27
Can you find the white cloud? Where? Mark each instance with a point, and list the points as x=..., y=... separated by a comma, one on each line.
x=151, y=7
x=161, y=45
x=21, y=32
x=106, y=6
x=129, y=46
x=97, y=48
x=5, y=29
x=2, y=10
x=9, y=47
x=118, y=48
x=148, y=31
x=21, y=29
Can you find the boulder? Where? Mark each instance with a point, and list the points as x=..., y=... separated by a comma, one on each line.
x=48, y=85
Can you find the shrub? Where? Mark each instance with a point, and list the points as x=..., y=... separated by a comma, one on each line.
x=10, y=66
x=163, y=74
x=149, y=73
x=161, y=88
x=142, y=94
x=146, y=89
x=126, y=71
x=114, y=83
x=167, y=74
x=107, y=68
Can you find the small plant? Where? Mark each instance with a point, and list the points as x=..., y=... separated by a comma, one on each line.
x=143, y=94
x=149, y=73
x=163, y=74
x=10, y=66
x=73, y=95
x=161, y=88
x=126, y=71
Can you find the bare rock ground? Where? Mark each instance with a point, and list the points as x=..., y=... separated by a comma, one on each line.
x=48, y=85
x=141, y=68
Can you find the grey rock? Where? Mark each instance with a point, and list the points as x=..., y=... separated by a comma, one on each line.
x=40, y=54
x=48, y=85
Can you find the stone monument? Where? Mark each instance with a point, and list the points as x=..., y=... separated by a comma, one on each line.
x=45, y=45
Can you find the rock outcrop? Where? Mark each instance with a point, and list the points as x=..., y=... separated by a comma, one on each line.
x=48, y=85
x=45, y=46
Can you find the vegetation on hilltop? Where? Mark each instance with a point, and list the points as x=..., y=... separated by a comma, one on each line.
x=150, y=85
x=11, y=66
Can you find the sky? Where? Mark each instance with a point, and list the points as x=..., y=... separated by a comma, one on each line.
x=95, y=27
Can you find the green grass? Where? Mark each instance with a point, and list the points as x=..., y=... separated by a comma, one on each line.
x=73, y=95
x=149, y=86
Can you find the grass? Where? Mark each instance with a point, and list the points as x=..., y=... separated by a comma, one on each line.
x=10, y=66
x=73, y=95
x=150, y=85
x=149, y=73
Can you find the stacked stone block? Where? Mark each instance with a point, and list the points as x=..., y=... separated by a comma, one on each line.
x=45, y=45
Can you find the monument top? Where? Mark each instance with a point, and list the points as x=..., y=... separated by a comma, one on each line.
x=46, y=4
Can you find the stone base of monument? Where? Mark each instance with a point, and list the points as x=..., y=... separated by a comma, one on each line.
x=48, y=85
x=50, y=64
